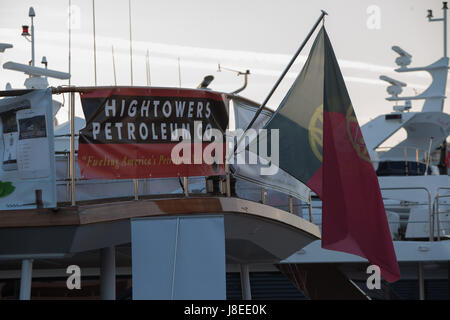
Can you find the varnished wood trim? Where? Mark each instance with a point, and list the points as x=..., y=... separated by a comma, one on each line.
x=39, y=217
x=121, y=210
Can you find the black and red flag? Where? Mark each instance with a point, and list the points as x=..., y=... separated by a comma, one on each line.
x=128, y=132
x=321, y=145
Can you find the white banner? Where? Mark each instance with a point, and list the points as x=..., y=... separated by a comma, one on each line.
x=27, y=170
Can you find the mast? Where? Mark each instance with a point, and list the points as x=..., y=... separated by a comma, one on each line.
x=32, y=14
x=131, y=42
x=444, y=20
x=434, y=95
x=95, y=45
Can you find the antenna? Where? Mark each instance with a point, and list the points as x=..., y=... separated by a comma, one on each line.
x=70, y=43
x=405, y=58
x=95, y=46
x=26, y=34
x=239, y=73
x=4, y=46
x=444, y=19
x=114, y=66
x=434, y=95
x=131, y=41
x=36, y=71
x=147, y=68
x=179, y=73
x=44, y=61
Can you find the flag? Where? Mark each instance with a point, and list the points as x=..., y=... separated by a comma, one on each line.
x=353, y=215
x=334, y=162
x=299, y=120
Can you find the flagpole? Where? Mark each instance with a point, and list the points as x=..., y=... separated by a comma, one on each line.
x=322, y=15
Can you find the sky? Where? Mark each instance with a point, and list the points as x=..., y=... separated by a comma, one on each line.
x=195, y=36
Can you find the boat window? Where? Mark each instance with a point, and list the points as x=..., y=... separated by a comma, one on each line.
x=402, y=168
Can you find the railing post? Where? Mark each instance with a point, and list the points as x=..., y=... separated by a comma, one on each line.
x=186, y=186
x=136, y=189
x=263, y=196
x=67, y=176
x=291, y=204
x=430, y=218
x=310, y=208
x=228, y=179
x=436, y=214
x=72, y=148
x=144, y=186
x=438, y=222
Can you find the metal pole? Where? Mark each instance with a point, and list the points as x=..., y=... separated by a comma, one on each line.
x=136, y=189
x=70, y=54
x=32, y=41
x=72, y=148
x=147, y=64
x=245, y=282
x=131, y=47
x=186, y=186
x=179, y=72
x=135, y=181
x=114, y=66
x=263, y=195
x=144, y=186
x=108, y=273
x=428, y=156
x=421, y=281
x=438, y=224
x=228, y=179
x=445, y=28
x=291, y=204
x=95, y=45
x=310, y=208
x=70, y=39
x=25, y=279
x=68, y=174
x=261, y=107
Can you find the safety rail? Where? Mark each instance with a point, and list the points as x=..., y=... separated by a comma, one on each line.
x=140, y=188
x=225, y=190
x=430, y=211
x=428, y=203
x=436, y=201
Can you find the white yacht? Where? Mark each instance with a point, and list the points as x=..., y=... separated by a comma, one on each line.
x=267, y=230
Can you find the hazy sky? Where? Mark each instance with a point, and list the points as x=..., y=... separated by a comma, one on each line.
x=257, y=35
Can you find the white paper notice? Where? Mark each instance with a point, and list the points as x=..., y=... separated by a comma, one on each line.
x=33, y=145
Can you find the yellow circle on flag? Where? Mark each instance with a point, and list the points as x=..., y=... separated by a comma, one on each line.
x=315, y=132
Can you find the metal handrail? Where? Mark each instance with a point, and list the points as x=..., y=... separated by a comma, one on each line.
x=436, y=201
x=430, y=215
